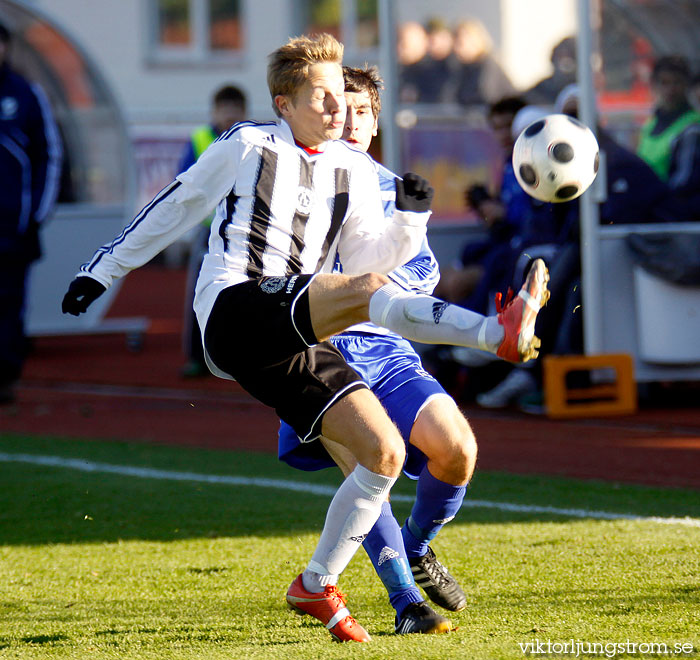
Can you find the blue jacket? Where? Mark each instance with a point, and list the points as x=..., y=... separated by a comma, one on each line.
x=30, y=164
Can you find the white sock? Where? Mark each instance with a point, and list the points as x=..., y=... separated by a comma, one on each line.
x=429, y=320
x=351, y=515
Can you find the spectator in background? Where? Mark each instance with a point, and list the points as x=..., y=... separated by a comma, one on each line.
x=228, y=106
x=412, y=48
x=459, y=282
x=30, y=170
x=563, y=60
x=694, y=92
x=438, y=63
x=512, y=218
x=670, y=140
x=477, y=77
x=634, y=195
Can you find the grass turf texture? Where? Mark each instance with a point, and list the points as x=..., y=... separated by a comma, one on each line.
x=111, y=566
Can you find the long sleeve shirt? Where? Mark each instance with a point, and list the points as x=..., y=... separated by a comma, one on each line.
x=279, y=211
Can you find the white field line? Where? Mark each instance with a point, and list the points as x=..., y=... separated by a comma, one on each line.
x=315, y=489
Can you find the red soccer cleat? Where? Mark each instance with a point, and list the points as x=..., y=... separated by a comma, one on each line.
x=518, y=315
x=329, y=608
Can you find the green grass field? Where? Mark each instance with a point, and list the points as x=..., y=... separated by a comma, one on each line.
x=99, y=564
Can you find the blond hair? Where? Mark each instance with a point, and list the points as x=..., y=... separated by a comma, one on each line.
x=288, y=66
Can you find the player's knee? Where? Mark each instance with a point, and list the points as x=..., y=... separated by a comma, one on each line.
x=458, y=459
x=465, y=451
x=391, y=454
x=365, y=285
x=349, y=303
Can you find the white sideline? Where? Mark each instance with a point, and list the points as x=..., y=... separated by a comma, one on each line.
x=298, y=486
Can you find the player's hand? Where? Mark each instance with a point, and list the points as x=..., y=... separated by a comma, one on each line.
x=414, y=193
x=82, y=292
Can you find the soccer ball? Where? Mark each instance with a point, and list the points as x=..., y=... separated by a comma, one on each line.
x=555, y=158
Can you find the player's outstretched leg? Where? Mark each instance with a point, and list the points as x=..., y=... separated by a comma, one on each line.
x=328, y=607
x=518, y=315
x=427, y=319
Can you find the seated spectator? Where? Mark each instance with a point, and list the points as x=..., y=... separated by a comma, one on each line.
x=563, y=60
x=477, y=77
x=411, y=48
x=437, y=65
x=513, y=221
x=634, y=194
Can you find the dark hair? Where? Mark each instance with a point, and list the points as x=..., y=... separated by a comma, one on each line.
x=566, y=46
x=510, y=105
x=229, y=93
x=4, y=34
x=671, y=64
x=365, y=80
x=435, y=24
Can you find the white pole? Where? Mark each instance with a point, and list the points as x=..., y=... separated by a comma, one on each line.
x=388, y=68
x=589, y=213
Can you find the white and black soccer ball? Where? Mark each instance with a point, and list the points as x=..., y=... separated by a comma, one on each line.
x=556, y=158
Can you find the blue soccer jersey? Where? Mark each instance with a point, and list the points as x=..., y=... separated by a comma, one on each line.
x=387, y=362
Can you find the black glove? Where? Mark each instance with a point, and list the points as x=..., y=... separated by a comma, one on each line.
x=414, y=193
x=82, y=292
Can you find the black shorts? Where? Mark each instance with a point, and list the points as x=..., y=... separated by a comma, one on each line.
x=260, y=333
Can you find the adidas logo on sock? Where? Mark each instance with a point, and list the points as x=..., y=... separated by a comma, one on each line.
x=438, y=310
x=386, y=554
x=444, y=521
x=358, y=539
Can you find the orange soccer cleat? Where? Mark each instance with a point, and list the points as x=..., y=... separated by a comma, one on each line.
x=329, y=608
x=518, y=314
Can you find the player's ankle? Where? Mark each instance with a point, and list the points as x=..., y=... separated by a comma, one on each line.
x=316, y=582
x=494, y=334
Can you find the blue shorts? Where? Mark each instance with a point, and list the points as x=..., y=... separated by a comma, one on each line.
x=393, y=370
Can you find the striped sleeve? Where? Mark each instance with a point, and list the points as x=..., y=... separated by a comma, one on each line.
x=181, y=205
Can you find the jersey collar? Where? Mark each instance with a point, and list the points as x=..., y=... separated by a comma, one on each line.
x=289, y=137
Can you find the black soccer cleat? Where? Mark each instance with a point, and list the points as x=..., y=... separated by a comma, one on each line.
x=436, y=581
x=421, y=618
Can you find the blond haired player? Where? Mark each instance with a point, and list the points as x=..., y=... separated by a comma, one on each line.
x=288, y=198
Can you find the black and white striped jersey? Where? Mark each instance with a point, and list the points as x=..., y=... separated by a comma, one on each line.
x=279, y=211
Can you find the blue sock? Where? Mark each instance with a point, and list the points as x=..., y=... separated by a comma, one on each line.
x=384, y=546
x=436, y=504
